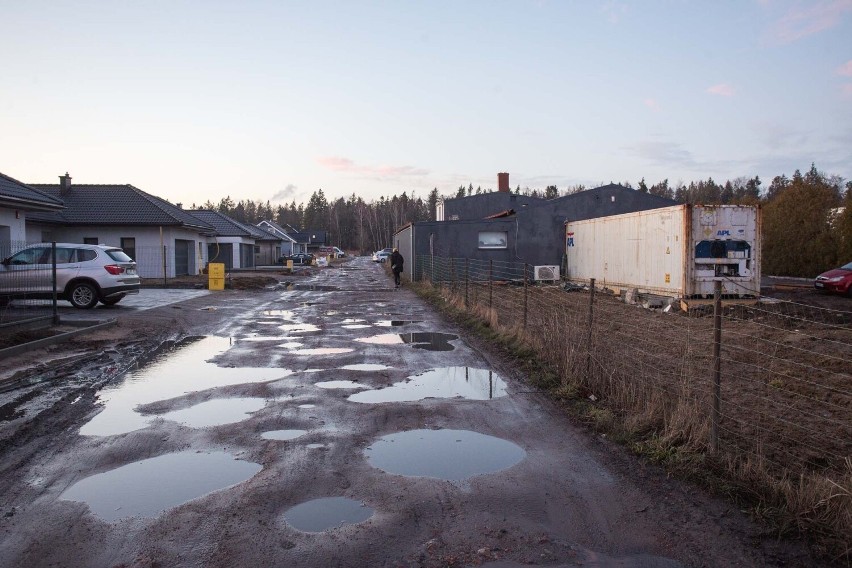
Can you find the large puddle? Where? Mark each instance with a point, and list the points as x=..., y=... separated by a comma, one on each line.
x=148, y=487
x=184, y=370
x=446, y=382
x=216, y=412
x=453, y=455
x=298, y=327
x=328, y=513
x=382, y=339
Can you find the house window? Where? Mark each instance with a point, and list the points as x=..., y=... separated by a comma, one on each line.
x=493, y=239
x=128, y=245
x=90, y=240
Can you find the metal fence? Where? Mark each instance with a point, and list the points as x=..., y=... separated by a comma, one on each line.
x=764, y=387
x=27, y=291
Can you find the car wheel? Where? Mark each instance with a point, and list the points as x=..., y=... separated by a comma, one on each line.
x=83, y=296
x=112, y=301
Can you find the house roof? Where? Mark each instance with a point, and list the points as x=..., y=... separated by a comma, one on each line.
x=223, y=225
x=113, y=205
x=275, y=229
x=17, y=194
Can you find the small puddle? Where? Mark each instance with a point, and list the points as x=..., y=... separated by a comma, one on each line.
x=430, y=341
x=315, y=446
x=216, y=412
x=446, y=382
x=382, y=339
x=291, y=345
x=322, y=351
x=365, y=367
x=265, y=338
x=340, y=385
x=453, y=455
x=283, y=434
x=286, y=314
x=328, y=513
x=307, y=406
x=353, y=320
x=148, y=487
x=356, y=326
x=183, y=370
x=298, y=327
x=395, y=323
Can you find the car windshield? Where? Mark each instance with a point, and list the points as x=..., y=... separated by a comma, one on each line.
x=846, y=266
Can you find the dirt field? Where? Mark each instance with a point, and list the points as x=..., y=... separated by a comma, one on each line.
x=574, y=499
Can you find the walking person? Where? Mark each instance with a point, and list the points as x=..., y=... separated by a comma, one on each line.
x=396, y=261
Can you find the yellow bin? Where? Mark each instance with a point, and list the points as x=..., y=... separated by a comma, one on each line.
x=216, y=273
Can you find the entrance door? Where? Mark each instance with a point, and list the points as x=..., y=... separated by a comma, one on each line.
x=183, y=250
x=221, y=252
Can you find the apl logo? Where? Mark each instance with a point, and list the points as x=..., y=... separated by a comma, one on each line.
x=569, y=240
x=724, y=233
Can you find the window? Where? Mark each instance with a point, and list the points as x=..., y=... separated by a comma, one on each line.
x=90, y=240
x=493, y=239
x=128, y=245
x=85, y=255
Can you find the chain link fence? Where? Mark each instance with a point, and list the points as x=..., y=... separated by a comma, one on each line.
x=762, y=388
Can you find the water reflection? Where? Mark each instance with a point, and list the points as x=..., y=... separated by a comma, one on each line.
x=148, y=487
x=446, y=382
x=323, y=514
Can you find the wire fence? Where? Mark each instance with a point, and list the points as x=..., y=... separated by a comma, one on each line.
x=764, y=387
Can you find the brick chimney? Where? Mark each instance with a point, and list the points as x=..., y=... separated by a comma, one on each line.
x=64, y=183
x=503, y=182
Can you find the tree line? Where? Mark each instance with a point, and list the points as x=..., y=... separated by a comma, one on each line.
x=807, y=218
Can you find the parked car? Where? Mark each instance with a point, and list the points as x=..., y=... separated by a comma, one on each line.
x=382, y=255
x=85, y=274
x=298, y=258
x=838, y=280
x=338, y=253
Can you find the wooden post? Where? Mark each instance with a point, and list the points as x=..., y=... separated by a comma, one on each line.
x=526, y=294
x=717, y=366
x=591, y=328
x=490, y=283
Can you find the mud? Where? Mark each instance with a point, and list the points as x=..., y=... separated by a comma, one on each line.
x=566, y=498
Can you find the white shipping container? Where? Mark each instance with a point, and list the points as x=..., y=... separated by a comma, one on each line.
x=678, y=251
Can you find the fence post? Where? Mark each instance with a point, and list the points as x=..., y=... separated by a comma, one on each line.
x=165, y=283
x=490, y=283
x=526, y=294
x=466, y=282
x=717, y=366
x=53, y=276
x=591, y=328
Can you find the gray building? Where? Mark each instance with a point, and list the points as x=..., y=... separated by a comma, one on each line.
x=533, y=235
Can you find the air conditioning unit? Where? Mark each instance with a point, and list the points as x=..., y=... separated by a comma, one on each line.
x=545, y=273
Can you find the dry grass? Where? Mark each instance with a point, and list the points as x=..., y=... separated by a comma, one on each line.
x=785, y=430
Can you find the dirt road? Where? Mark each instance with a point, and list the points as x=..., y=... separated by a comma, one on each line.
x=336, y=422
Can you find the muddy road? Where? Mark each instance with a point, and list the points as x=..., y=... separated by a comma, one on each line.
x=335, y=422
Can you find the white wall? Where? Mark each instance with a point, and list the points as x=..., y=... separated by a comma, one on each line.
x=12, y=230
x=236, y=241
x=149, y=244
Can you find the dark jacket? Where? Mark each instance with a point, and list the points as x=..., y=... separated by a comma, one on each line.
x=396, y=261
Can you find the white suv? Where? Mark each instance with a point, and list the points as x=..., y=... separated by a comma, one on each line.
x=85, y=274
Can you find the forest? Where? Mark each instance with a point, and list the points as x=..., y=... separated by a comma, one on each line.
x=807, y=218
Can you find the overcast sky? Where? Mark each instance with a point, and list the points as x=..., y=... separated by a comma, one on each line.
x=272, y=100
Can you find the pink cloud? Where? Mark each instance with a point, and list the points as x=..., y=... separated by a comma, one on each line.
x=338, y=164
x=722, y=89
x=800, y=22
x=652, y=104
x=845, y=69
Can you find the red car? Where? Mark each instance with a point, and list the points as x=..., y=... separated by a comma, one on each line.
x=837, y=280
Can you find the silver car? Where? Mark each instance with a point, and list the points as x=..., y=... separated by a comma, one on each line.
x=85, y=274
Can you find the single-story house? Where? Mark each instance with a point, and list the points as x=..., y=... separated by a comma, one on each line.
x=289, y=245
x=17, y=200
x=164, y=240
x=236, y=244
x=533, y=235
